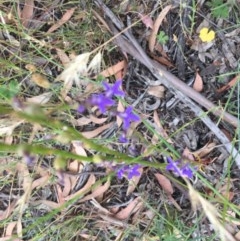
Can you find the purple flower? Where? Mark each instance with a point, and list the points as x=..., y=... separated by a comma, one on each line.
x=134, y=171
x=129, y=170
x=187, y=171
x=81, y=108
x=122, y=171
x=128, y=116
x=101, y=101
x=113, y=90
x=184, y=171
x=123, y=138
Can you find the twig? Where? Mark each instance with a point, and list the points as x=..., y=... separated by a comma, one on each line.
x=129, y=44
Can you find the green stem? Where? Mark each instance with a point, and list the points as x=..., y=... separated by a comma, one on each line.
x=70, y=132
x=42, y=150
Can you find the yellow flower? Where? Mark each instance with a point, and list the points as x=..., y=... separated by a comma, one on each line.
x=206, y=35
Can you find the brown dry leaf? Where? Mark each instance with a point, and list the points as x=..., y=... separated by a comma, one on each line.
x=31, y=67
x=50, y=204
x=120, y=74
x=164, y=183
x=40, y=99
x=81, y=121
x=10, y=228
x=114, y=69
x=198, y=83
x=237, y=236
x=100, y=208
x=159, y=49
x=8, y=140
x=5, y=214
x=85, y=189
x=97, y=131
x=41, y=182
x=96, y=120
x=60, y=197
x=157, y=91
x=26, y=180
x=41, y=171
x=73, y=166
x=66, y=16
x=202, y=48
x=62, y=56
x=162, y=60
x=99, y=190
x=88, y=236
x=120, y=108
x=229, y=85
x=67, y=185
x=40, y=80
x=67, y=86
x=204, y=150
x=133, y=127
x=8, y=125
x=188, y=154
x=78, y=148
x=137, y=215
x=130, y=209
x=159, y=129
x=112, y=221
x=167, y=187
x=156, y=25
x=147, y=20
x=134, y=182
x=27, y=12
x=227, y=134
x=175, y=204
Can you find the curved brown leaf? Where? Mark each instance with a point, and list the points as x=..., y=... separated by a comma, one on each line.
x=165, y=183
x=86, y=188
x=99, y=191
x=156, y=25
x=97, y=131
x=130, y=209
x=198, y=83
x=67, y=15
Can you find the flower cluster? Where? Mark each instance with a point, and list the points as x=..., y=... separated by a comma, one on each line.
x=103, y=101
x=174, y=166
x=106, y=99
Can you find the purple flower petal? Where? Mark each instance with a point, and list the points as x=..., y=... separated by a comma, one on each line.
x=184, y=171
x=187, y=171
x=122, y=171
x=129, y=170
x=123, y=138
x=173, y=166
x=113, y=90
x=128, y=116
x=133, y=171
x=101, y=101
x=81, y=108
